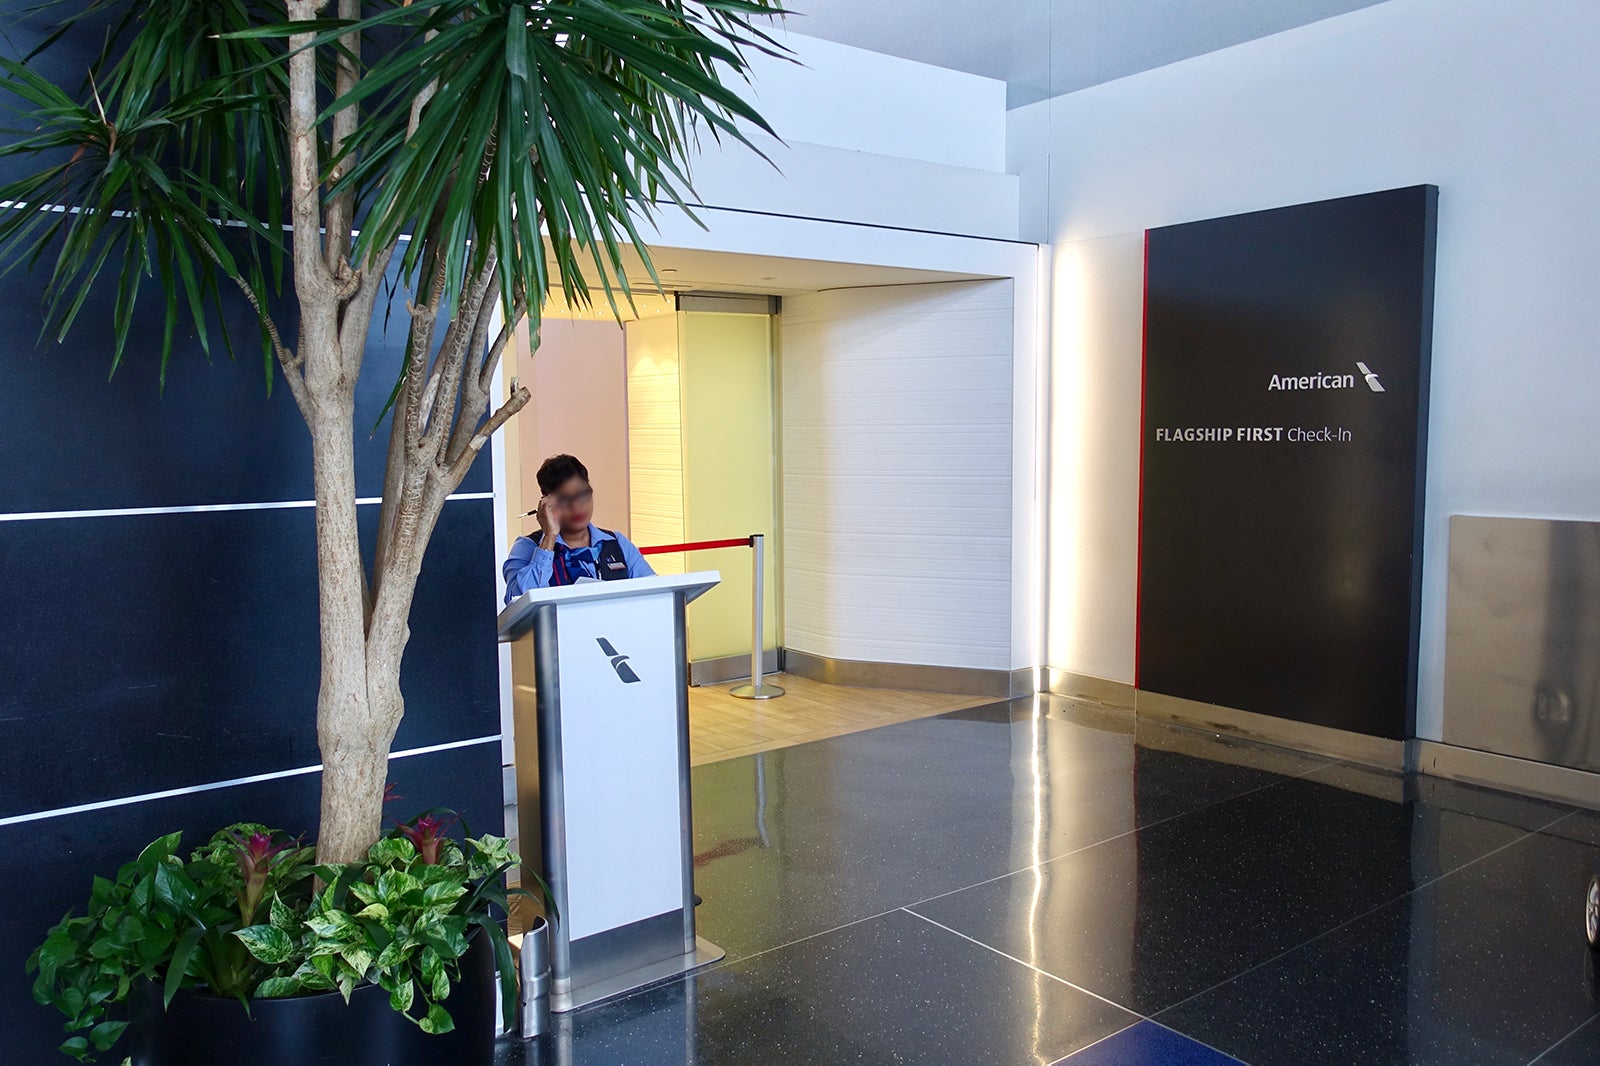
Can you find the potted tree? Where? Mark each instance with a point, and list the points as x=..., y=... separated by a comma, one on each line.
x=480, y=152
x=251, y=952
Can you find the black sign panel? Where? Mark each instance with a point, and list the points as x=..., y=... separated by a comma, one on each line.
x=1286, y=397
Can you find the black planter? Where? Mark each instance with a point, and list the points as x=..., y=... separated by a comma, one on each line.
x=204, y=1030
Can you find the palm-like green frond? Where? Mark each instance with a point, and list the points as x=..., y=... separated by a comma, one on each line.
x=566, y=117
x=173, y=141
x=550, y=124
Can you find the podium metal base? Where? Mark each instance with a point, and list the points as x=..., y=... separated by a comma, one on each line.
x=762, y=691
x=704, y=954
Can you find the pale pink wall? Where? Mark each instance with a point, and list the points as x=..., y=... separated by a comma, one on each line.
x=580, y=405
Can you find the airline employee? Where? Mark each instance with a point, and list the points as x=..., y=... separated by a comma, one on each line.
x=568, y=546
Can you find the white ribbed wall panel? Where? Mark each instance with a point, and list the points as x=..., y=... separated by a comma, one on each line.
x=897, y=502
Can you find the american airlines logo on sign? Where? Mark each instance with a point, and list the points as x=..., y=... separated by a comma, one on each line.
x=1320, y=380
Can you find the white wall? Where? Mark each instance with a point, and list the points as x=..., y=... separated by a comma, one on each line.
x=864, y=101
x=897, y=474
x=867, y=138
x=1095, y=382
x=1494, y=101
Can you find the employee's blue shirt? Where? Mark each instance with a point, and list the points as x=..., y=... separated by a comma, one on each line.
x=530, y=566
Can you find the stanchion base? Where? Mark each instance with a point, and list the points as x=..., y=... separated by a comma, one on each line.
x=762, y=691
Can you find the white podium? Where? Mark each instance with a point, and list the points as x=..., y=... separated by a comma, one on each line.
x=602, y=770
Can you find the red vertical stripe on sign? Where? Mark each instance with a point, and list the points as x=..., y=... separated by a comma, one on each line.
x=1138, y=581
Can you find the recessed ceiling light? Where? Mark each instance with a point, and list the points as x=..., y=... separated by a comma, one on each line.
x=769, y=278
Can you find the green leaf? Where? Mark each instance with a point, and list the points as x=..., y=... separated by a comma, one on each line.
x=447, y=936
x=72, y=1000
x=431, y=964
x=443, y=892
x=335, y=925
x=281, y=917
x=58, y=950
x=393, y=885
x=440, y=986
x=438, y=1020
x=105, y=1034
x=517, y=42
x=103, y=892
x=401, y=996
x=393, y=955
x=178, y=967
x=77, y=1047
x=364, y=892
x=311, y=978
x=358, y=957
x=494, y=851
x=269, y=945
x=274, y=987
x=157, y=851
x=392, y=851
x=505, y=969
x=129, y=930
x=104, y=947
x=172, y=886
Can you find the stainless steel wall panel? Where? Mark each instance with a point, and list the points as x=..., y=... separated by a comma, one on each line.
x=1522, y=651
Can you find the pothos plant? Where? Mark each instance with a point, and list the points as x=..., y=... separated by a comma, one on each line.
x=250, y=916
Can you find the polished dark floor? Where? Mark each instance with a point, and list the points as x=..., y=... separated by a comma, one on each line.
x=1042, y=881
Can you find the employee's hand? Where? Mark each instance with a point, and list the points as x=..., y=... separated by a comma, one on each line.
x=549, y=523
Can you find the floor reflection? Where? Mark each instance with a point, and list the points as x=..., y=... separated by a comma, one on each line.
x=1015, y=882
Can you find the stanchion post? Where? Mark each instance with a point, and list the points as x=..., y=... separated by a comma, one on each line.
x=757, y=689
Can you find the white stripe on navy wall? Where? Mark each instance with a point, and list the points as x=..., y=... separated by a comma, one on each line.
x=125, y=512
x=188, y=790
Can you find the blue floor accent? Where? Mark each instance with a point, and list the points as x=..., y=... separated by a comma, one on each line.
x=1148, y=1044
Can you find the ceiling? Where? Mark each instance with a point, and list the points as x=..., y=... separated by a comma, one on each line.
x=693, y=270
x=1043, y=48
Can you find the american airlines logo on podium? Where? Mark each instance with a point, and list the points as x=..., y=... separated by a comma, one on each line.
x=619, y=662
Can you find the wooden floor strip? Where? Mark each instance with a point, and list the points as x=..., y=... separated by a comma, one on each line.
x=724, y=727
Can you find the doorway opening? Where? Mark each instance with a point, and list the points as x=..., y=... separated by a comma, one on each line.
x=895, y=402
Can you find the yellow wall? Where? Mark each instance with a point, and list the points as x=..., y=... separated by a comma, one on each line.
x=702, y=461
x=655, y=441
x=729, y=470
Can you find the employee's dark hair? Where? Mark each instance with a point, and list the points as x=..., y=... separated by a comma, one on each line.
x=558, y=470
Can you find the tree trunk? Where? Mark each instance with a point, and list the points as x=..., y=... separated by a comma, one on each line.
x=438, y=429
x=355, y=758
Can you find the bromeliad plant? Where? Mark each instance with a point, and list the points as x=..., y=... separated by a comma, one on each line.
x=170, y=921
x=245, y=917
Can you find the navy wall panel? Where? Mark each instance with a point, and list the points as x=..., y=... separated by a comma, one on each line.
x=74, y=440
x=151, y=652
